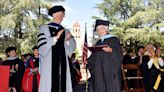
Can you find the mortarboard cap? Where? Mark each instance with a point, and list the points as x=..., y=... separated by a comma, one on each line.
x=101, y=22
x=55, y=9
x=10, y=49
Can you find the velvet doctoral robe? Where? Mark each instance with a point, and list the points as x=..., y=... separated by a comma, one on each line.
x=54, y=65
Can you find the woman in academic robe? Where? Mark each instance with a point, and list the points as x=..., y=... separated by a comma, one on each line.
x=105, y=64
x=55, y=45
x=150, y=68
x=31, y=76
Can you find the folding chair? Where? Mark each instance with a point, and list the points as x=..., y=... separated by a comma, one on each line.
x=138, y=79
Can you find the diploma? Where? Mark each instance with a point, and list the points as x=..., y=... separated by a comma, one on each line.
x=97, y=48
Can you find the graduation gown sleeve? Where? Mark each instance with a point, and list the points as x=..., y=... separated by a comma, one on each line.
x=45, y=41
x=70, y=45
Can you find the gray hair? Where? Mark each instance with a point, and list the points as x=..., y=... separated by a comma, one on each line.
x=102, y=26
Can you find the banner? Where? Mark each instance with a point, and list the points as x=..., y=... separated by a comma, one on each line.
x=4, y=78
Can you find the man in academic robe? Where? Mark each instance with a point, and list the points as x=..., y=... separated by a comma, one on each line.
x=16, y=69
x=55, y=45
x=105, y=64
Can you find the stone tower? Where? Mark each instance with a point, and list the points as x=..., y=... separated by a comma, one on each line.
x=76, y=32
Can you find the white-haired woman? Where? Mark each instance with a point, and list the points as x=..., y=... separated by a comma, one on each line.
x=105, y=64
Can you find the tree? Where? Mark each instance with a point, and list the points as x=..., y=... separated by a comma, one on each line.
x=19, y=22
x=135, y=21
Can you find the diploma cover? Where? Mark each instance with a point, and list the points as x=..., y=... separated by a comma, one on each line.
x=97, y=48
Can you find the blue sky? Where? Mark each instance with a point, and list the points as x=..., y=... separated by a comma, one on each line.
x=80, y=11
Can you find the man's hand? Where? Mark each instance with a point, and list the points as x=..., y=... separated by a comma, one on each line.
x=59, y=34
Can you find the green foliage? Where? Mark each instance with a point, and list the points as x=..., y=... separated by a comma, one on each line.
x=20, y=21
x=135, y=21
x=77, y=54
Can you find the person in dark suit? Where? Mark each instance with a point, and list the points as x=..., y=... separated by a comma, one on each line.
x=140, y=54
x=75, y=70
x=130, y=58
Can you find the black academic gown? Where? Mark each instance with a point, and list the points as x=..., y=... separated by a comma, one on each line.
x=105, y=67
x=145, y=72
x=15, y=77
x=161, y=85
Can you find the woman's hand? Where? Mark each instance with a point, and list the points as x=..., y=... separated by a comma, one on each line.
x=16, y=67
x=107, y=49
x=35, y=70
